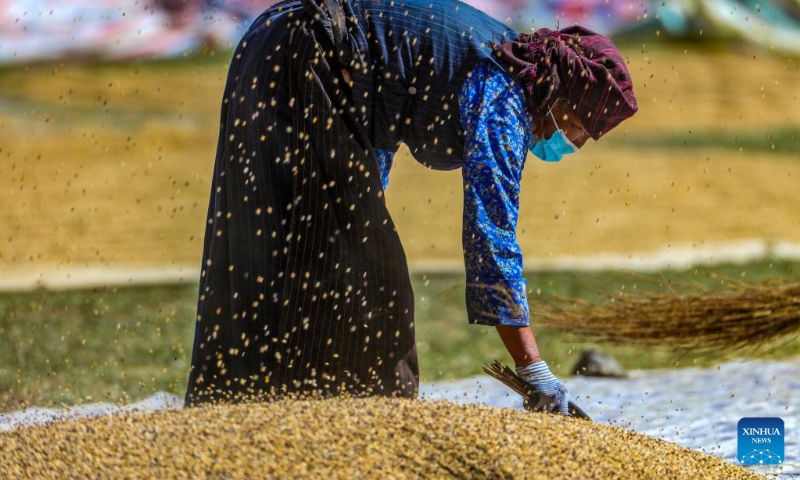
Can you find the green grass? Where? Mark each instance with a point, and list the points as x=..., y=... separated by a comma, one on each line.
x=125, y=344
x=103, y=344
x=782, y=140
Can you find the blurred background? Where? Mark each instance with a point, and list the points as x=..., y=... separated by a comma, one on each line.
x=109, y=114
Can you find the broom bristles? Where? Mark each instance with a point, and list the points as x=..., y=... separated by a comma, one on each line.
x=742, y=316
x=509, y=378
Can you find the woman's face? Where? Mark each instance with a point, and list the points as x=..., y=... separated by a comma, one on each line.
x=568, y=121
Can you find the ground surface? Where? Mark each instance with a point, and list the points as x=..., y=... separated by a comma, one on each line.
x=111, y=164
x=347, y=439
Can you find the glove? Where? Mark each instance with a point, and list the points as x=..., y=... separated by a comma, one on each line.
x=553, y=395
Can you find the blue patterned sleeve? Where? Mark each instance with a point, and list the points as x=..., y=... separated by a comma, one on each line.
x=385, y=160
x=497, y=131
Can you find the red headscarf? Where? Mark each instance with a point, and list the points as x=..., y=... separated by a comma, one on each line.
x=575, y=63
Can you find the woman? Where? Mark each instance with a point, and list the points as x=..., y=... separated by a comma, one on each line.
x=304, y=284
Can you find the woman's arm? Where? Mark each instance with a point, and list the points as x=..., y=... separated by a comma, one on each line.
x=494, y=153
x=520, y=343
x=497, y=132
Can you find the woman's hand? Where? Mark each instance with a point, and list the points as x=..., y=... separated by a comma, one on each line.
x=553, y=395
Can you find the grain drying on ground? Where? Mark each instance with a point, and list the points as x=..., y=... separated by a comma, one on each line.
x=111, y=165
x=348, y=438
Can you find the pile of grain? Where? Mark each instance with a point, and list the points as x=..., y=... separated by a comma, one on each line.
x=347, y=438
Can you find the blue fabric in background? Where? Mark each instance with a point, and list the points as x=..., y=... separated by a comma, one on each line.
x=497, y=130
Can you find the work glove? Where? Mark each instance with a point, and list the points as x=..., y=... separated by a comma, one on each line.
x=553, y=395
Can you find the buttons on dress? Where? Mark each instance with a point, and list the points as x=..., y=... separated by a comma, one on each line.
x=412, y=90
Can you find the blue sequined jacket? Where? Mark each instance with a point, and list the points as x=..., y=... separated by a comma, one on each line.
x=497, y=132
x=425, y=75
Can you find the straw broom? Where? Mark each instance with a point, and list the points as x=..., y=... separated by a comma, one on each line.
x=743, y=315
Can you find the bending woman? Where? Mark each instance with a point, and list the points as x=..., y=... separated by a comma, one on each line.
x=304, y=284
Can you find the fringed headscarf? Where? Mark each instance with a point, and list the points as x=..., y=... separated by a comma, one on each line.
x=577, y=64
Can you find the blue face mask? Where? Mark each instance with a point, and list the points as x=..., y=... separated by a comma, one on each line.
x=555, y=147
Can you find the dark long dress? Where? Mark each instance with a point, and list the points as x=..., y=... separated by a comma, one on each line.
x=304, y=284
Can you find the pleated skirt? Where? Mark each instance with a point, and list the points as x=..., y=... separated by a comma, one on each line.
x=304, y=286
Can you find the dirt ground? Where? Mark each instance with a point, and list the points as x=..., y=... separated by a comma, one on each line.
x=111, y=165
